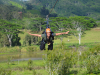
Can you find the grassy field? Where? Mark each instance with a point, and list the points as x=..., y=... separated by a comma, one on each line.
x=22, y=68
x=91, y=36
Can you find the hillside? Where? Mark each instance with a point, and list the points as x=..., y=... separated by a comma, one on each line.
x=68, y=8
x=63, y=8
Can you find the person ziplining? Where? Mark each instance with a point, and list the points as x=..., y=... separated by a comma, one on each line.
x=48, y=38
x=48, y=35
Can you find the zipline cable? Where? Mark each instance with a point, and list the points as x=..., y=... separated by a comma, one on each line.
x=53, y=7
x=47, y=19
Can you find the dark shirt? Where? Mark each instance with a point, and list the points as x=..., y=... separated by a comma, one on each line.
x=46, y=39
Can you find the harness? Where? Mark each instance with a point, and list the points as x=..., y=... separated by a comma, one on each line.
x=46, y=40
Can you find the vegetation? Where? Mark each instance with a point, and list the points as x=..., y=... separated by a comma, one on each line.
x=70, y=7
x=11, y=31
x=58, y=61
x=23, y=68
x=63, y=8
x=16, y=4
x=62, y=62
x=89, y=50
x=74, y=54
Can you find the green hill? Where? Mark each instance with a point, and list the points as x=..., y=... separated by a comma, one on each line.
x=63, y=8
x=68, y=8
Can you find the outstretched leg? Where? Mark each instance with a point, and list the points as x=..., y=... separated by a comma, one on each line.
x=50, y=47
x=42, y=46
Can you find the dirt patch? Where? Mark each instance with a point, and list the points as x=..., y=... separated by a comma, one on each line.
x=97, y=29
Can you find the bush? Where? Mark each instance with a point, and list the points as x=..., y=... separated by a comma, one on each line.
x=5, y=72
x=91, y=60
x=59, y=62
x=30, y=63
x=65, y=62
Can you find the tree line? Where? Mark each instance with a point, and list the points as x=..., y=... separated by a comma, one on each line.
x=9, y=33
x=76, y=25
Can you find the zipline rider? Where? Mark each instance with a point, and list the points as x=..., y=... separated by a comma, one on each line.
x=48, y=37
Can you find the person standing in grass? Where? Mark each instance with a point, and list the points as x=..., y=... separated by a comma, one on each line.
x=48, y=37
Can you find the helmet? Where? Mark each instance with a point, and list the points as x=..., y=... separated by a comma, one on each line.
x=48, y=30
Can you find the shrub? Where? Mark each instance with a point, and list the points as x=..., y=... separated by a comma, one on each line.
x=5, y=72
x=91, y=60
x=59, y=62
x=30, y=63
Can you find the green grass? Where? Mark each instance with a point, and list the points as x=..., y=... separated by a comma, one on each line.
x=21, y=67
x=91, y=36
x=21, y=64
x=38, y=65
x=27, y=72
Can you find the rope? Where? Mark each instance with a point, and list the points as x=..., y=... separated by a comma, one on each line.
x=53, y=7
x=47, y=26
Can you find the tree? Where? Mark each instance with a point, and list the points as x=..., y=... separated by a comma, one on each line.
x=15, y=15
x=15, y=40
x=81, y=23
x=70, y=7
x=3, y=40
x=53, y=15
x=8, y=12
x=27, y=40
x=29, y=6
x=31, y=40
x=9, y=29
x=36, y=24
x=60, y=24
x=44, y=11
x=39, y=22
